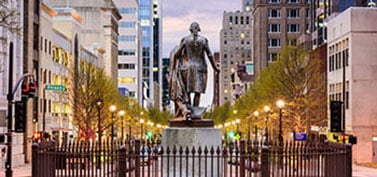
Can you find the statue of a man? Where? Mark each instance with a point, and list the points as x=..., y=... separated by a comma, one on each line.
x=189, y=71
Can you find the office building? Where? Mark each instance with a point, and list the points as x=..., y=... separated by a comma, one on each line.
x=129, y=61
x=277, y=23
x=157, y=52
x=352, y=77
x=100, y=28
x=236, y=38
x=146, y=22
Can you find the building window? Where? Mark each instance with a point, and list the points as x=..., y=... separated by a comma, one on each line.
x=274, y=28
x=273, y=43
x=293, y=28
x=127, y=52
x=127, y=24
x=307, y=12
x=247, y=20
x=127, y=38
x=126, y=80
x=127, y=10
x=126, y=66
x=293, y=1
x=274, y=1
x=273, y=13
x=272, y=57
x=241, y=20
x=236, y=20
x=293, y=13
x=230, y=19
x=292, y=42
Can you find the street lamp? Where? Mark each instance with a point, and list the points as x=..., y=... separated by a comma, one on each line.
x=113, y=108
x=141, y=128
x=280, y=104
x=121, y=114
x=238, y=121
x=256, y=114
x=99, y=106
x=266, y=110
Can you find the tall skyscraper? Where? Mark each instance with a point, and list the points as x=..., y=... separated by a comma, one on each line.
x=236, y=53
x=129, y=60
x=165, y=84
x=146, y=22
x=157, y=52
x=278, y=23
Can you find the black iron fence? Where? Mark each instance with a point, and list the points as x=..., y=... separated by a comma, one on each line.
x=244, y=159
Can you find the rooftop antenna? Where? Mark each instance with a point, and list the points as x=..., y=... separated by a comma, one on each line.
x=371, y=4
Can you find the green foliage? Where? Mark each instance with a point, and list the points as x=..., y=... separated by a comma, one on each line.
x=220, y=114
x=157, y=116
x=294, y=78
x=89, y=84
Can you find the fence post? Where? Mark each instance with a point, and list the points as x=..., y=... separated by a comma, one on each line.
x=122, y=162
x=265, y=162
x=349, y=160
x=137, y=156
x=34, y=160
x=242, y=158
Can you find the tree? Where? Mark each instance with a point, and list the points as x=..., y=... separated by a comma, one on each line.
x=8, y=22
x=157, y=116
x=297, y=80
x=89, y=84
x=219, y=114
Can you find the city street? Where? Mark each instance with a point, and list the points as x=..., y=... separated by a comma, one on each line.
x=358, y=171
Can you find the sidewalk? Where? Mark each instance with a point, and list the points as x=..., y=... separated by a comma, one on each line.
x=20, y=171
x=357, y=171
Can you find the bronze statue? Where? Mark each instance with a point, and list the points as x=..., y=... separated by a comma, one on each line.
x=188, y=73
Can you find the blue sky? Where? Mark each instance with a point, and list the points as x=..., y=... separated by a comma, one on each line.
x=178, y=14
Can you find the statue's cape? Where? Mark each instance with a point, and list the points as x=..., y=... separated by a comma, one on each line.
x=177, y=89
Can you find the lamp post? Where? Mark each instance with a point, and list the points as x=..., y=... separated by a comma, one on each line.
x=256, y=114
x=238, y=121
x=280, y=104
x=113, y=108
x=99, y=106
x=266, y=110
x=121, y=114
x=141, y=128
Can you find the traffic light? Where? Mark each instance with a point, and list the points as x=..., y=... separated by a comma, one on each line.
x=336, y=116
x=32, y=88
x=20, y=116
x=24, y=91
x=231, y=135
x=149, y=134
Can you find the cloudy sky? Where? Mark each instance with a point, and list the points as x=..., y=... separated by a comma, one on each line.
x=178, y=15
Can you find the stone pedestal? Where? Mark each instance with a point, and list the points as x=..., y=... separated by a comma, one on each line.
x=190, y=164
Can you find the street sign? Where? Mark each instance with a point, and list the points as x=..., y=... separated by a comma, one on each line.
x=55, y=87
x=301, y=136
